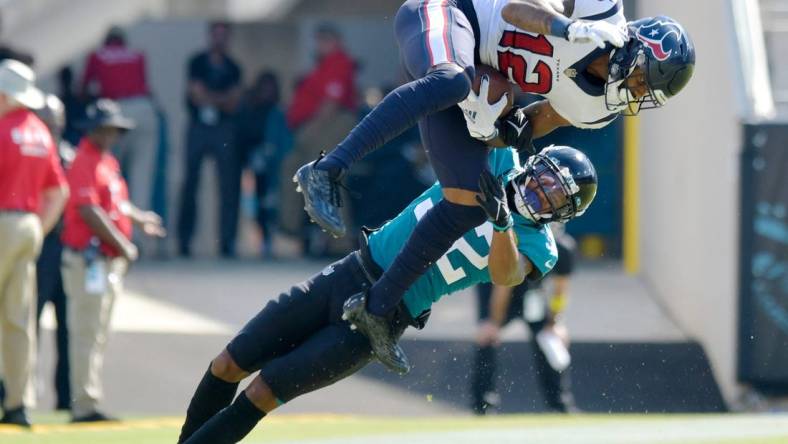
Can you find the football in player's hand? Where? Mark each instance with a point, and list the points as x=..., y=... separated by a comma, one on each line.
x=499, y=85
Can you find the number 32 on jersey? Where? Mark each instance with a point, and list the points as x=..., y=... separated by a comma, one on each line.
x=447, y=270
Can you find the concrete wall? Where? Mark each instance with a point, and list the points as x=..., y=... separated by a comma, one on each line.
x=689, y=189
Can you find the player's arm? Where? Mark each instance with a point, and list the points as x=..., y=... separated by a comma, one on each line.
x=521, y=125
x=550, y=17
x=507, y=266
x=539, y=16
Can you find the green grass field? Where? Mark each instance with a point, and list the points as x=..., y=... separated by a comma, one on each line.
x=520, y=429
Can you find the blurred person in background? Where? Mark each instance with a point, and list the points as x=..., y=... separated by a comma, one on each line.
x=322, y=111
x=264, y=139
x=379, y=201
x=97, y=251
x=212, y=97
x=49, y=279
x=33, y=191
x=549, y=337
x=115, y=71
x=74, y=105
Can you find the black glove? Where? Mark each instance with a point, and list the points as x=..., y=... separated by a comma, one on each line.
x=516, y=131
x=492, y=199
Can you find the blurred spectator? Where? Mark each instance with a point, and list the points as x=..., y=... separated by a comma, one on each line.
x=377, y=200
x=97, y=251
x=264, y=139
x=49, y=279
x=73, y=103
x=32, y=194
x=115, y=71
x=549, y=337
x=322, y=112
x=214, y=81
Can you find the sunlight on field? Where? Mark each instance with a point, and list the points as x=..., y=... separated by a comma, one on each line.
x=531, y=429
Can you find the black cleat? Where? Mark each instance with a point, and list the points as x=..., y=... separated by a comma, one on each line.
x=378, y=330
x=322, y=199
x=94, y=417
x=17, y=417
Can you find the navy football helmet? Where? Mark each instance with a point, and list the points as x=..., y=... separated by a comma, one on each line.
x=665, y=54
x=558, y=184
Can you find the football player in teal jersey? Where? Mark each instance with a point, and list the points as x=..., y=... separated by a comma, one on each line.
x=300, y=343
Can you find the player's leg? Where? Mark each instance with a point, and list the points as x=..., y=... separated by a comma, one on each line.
x=437, y=46
x=326, y=356
x=277, y=329
x=458, y=161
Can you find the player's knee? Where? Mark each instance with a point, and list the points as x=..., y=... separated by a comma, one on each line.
x=225, y=368
x=261, y=395
x=453, y=80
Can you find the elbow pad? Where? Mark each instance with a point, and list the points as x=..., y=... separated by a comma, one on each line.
x=516, y=131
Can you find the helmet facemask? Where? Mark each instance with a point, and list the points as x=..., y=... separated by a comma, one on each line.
x=618, y=96
x=544, y=192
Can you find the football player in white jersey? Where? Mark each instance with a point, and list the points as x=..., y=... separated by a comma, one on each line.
x=570, y=56
x=581, y=55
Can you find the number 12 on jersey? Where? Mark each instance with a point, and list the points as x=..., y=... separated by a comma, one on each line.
x=516, y=67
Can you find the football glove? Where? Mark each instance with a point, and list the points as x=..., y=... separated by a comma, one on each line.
x=596, y=32
x=516, y=131
x=480, y=115
x=492, y=199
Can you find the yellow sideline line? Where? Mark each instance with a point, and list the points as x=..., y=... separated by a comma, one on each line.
x=163, y=422
x=631, y=197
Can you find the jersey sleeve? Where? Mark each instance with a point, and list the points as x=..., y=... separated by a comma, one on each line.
x=82, y=181
x=503, y=160
x=537, y=244
x=608, y=10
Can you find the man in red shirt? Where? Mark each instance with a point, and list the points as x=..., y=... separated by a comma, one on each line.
x=97, y=250
x=32, y=193
x=323, y=111
x=115, y=71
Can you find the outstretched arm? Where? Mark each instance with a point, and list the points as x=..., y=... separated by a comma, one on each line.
x=539, y=16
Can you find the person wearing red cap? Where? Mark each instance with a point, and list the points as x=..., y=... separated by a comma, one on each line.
x=97, y=251
x=32, y=194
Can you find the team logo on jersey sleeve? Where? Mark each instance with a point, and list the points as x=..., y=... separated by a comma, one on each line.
x=656, y=34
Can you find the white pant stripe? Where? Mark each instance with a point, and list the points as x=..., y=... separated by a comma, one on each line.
x=437, y=31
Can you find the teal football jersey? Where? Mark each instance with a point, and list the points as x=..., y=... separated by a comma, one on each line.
x=465, y=264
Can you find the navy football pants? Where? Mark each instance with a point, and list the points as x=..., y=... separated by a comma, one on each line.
x=299, y=342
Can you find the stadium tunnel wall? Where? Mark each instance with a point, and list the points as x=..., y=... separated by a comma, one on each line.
x=688, y=189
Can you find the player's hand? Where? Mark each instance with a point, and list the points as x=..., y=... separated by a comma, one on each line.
x=597, y=32
x=480, y=115
x=516, y=131
x=488, y=334
x=492, y=199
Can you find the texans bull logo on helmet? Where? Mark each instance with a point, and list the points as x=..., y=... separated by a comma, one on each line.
x=655, y=35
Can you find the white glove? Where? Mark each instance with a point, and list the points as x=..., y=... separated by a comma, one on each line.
x=480, y=116
x=596, y=32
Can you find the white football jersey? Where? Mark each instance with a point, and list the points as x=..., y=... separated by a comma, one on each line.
x=550, y=66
